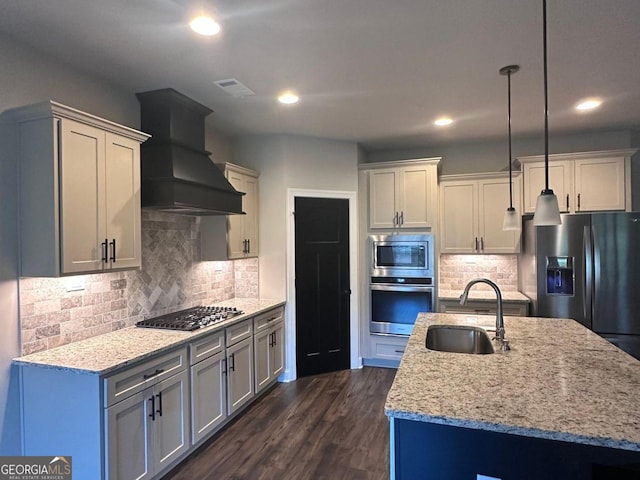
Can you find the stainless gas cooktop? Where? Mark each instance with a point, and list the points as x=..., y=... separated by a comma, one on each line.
x=191, y=318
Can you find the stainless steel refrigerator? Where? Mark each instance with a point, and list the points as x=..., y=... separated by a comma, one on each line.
x=587, y=269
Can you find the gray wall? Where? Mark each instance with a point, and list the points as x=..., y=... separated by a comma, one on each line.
x=492, y=156
x=291, y=162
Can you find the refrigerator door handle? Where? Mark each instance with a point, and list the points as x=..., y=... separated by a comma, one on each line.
x=587, y=245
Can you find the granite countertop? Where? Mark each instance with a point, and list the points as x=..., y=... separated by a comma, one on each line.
x=103, y=354
x=560, y=381
x=483, y=295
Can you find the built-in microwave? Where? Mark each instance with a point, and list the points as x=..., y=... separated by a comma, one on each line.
x=401, y=283
x=402, y=255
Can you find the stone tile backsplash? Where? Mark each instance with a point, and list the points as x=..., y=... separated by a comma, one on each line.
x=457, y=270
x=54, y=311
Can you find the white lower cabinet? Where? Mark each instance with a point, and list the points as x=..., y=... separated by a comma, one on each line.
x=148, y=431
x=268, y=347
x=239, y=374
x=208, y=396
x=269, y=351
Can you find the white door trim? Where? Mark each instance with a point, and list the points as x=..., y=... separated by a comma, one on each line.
x=290, y=315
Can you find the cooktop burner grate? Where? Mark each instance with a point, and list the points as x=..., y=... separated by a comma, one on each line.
x=191, y=318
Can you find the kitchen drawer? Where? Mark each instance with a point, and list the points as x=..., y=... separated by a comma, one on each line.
x=239, y=331
x=206, y=347
x=266, y=319
x=132, y=380
x=516, y=309
x=389, y=348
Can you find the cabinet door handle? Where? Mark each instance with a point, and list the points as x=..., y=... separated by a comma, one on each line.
x=567, y=202
x=401, y=220
x=476, y=243
x=482, y=243
x=395, y=219
x=578, y=202
x=113, y=250
x=275, y=339
x=224, y=366
x=153, y=408
x=232, y=367
x=105, y=250
x=271, y=339
x=159, y=410
x=248, y=245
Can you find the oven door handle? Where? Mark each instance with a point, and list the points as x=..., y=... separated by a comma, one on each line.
x=394, y=287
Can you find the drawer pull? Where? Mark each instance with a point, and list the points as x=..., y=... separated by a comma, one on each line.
x=154, y=374
x=399, y=351
x=482, y=310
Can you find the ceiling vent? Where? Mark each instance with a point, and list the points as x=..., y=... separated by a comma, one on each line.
x=234, y=88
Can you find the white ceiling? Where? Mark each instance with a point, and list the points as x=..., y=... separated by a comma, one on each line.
x=373, y=71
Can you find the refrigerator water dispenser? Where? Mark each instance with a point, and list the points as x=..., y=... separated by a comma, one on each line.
x=560, y=276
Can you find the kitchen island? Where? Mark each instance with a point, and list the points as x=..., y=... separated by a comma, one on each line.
x=563, y=403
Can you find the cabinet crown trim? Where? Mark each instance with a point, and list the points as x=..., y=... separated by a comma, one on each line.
x=580, y=155
x=400, y=163
x=238, y=168
x=50, y=109
x=478, y=176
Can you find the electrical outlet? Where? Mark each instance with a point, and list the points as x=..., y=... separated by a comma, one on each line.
x=74, y=284
x=479, y=476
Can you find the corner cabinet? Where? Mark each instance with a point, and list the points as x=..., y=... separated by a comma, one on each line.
x=403, y=194
x=231, y=237
x=583, y=182
x=472, y=209
x=79, y=192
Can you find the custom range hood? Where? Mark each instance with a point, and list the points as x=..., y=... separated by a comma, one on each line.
x=176, y=172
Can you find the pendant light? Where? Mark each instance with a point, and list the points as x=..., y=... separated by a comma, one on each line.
x=511, y=218
x=547, y=211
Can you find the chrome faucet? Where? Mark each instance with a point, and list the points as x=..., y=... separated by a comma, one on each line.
x=504, y=344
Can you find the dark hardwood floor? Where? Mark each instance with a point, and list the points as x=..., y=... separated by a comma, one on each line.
x=329, y=426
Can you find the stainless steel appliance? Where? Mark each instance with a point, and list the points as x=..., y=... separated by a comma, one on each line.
x=191, y=318
x=401, y=282
x=587, y=269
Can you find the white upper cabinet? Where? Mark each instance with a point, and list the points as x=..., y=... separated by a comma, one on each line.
x=472, y=209
x=403, y=194
x=79, y=192
x=583, y=182
x=241, y=239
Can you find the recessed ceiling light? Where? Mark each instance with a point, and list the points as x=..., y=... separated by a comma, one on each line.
x=588, y=104
x=443, y=122
x=288, y=98
x=205, y=25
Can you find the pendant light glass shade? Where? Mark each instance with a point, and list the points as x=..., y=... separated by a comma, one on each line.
x=511, y=220
x=547, y=210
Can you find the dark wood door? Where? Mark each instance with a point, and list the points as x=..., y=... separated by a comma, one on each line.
x=322, y=284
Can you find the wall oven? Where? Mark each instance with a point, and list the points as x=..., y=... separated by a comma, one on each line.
x=401, y=282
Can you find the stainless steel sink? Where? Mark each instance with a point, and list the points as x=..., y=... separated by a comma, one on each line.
x=458, y=339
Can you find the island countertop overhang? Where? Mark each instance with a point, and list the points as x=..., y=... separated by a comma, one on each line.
x=560, y=381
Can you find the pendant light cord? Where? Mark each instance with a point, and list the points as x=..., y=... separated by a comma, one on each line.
x=546, y=104
x=509, y=116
